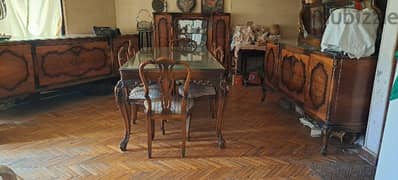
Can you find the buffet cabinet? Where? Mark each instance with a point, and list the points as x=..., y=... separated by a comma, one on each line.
x=214, y=30
x=333, y=90
x=31, y=66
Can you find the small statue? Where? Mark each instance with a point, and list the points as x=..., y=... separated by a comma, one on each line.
x=274, y=33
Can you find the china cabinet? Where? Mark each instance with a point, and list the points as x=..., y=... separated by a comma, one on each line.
x=210, y=31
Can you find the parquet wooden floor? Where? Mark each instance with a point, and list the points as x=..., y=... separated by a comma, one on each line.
x=77, y=137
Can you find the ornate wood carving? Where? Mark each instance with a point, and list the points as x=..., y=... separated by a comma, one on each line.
x=219, y=33
x=317, y=95
x=293, y=74
x=318, y=86
x=163, y=31
x=64, y=63
x=16, y=70
x=270, y=65
x=15, y=67
x=78, y=61
x=123, y=41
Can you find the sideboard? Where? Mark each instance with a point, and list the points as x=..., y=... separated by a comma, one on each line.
x=332, y=89
x=33, y=65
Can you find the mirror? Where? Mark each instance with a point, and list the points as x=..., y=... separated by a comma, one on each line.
x=315, y=13
x=195, y=29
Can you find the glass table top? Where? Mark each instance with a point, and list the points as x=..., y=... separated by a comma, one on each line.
x=200, y=59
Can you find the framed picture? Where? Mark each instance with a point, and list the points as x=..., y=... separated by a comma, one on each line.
x=212, y=6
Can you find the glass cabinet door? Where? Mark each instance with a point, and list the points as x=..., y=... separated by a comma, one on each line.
x=195, y=29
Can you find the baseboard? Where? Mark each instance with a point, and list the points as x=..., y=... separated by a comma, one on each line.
x=368, y=156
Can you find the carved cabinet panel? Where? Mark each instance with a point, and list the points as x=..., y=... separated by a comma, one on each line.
x=16, y=70
x=219, y=34
x=65, y=63
x=123, y=41
x=163, y=30
x=317, y=95
x=293, y=74
x=271, y=65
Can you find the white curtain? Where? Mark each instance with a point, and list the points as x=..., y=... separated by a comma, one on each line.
x=32, y=18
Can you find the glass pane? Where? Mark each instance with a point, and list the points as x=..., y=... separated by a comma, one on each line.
x=200, y=59
x=195, y=29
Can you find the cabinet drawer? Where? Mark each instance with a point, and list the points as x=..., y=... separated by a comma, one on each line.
x=73, y=62
x=16, y=70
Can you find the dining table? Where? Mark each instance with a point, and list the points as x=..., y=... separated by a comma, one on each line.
x=204, y=67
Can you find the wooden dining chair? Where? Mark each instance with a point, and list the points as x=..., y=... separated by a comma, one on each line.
x=136, y=97
x=169, y=105
x=205, y=89
x=7, y=173
x=125, y=53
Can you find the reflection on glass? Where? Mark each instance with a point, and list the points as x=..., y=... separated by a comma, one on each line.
x=194, y=29
x=201, y=58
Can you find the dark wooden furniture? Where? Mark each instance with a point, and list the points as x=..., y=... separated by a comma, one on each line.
x=314, y=15
x=33, y=65
x=169, y=106
x=271, y=64
x=203, y=65
x=129, y=42
x=217, y=30
x=16, y=70
x=332, y=89
x=63, y=62
x=249, y=58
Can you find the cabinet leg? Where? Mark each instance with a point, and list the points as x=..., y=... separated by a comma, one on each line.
x=325, y=139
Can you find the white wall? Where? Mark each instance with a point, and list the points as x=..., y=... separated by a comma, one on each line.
x=387, y=165
x=381, y=85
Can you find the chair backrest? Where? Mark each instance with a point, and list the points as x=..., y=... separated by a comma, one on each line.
x=131, y=49
x=185, y=44
x=165, y=76
x=7, y=174
x=125, y=53
x=122, y=56
x=219, y=55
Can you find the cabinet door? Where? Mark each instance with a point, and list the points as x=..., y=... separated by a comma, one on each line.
x=16, y=70
x=219, y=35
x=271, y=65
x=119, y=42
x=317, y=96
x=293, y=77
x=163, y=30
x=318, y=90
x=78, y=61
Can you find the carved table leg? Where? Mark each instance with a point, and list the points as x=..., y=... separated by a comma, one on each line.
x=221, y=101
x=325, y=139
x=121, y=95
